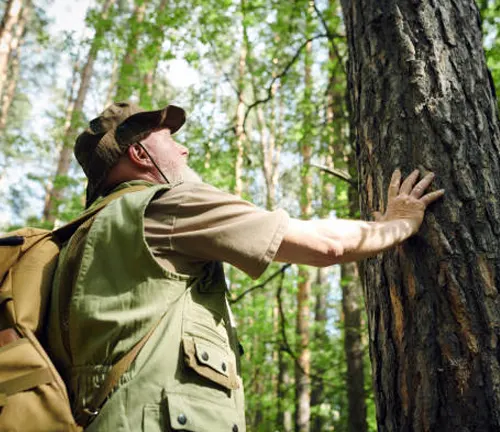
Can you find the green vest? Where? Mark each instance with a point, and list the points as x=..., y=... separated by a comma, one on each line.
x=186, y=377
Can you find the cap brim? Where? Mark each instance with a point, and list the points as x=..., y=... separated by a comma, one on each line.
x=135, y=127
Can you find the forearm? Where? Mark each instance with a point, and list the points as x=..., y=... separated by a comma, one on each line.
x=326, y=242
x=360, y=239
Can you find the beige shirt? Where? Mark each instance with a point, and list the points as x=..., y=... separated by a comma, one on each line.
x=194, y=223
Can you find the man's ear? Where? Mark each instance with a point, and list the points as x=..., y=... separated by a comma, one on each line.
x=138, y=156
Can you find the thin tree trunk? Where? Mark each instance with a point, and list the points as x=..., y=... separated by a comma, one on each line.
x=285, y=383
x=14, y=56
x=12, y=15
x=320, y=337
x=128, y=77
x=112, y=82
x=352, y=308
x=240, y=113
x=284, y=420
x=66, y=152
x=422, y=97
x=146, y=97
x=303, y=367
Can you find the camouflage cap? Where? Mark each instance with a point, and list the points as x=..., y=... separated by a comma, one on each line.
x=108, y=136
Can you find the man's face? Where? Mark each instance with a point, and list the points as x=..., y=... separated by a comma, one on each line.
x=170, y=156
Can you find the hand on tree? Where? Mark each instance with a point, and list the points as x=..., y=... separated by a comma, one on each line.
x=408, y=200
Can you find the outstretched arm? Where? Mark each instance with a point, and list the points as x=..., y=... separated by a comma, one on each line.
x=325, y=242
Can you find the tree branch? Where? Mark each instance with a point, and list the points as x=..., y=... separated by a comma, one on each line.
x=281, y=75
x=281, y=271
x=342, y=175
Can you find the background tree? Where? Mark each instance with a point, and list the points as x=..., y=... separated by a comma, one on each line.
x=74, y=121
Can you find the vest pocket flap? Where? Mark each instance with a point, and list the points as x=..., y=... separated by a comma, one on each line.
x=212, y=357
x=189, y=413
x=210, y=361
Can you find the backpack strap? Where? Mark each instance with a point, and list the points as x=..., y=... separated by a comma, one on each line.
x=66, y=231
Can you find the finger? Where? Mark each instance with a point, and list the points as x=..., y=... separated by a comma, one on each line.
x=407, y=185
x=422, y=185
x=431, y=197
x=377, y=216
x=394, y=185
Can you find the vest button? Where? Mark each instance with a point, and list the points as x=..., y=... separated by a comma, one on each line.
x=182, y=419
x=235, y=428
x=224, y=367
x=204, y=356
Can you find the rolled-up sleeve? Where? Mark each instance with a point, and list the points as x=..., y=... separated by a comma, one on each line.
x=205, y=223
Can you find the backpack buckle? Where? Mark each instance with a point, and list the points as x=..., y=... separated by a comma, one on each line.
x=91, y=412
x=86, y=416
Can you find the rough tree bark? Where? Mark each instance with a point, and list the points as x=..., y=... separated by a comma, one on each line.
x=422, y=97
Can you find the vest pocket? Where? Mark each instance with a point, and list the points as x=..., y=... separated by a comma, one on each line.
x=210, y=361
x=153, y=419
x=190, y=413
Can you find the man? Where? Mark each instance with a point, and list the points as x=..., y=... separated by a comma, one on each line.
x=151, y=259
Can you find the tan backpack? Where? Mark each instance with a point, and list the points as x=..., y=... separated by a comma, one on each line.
x=33, y=396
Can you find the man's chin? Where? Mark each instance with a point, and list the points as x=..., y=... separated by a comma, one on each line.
x=189, y=175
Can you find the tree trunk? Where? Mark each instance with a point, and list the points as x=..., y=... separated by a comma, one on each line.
x=12, y=15
x=147, y=89
x=54, y=194
x=14, y=56
x=303, y=366
x=422, y=97
x=320, y=336
x=112, y=82
x=284, y=422
x=352, y=308
x=240, y=112
x=128, y=78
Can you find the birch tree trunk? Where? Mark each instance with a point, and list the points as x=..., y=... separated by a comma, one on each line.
x=14, y=58
x=422, y=97
x=12, y=15
x=55, y=192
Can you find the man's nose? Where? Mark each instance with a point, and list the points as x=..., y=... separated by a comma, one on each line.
x=183, y=149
